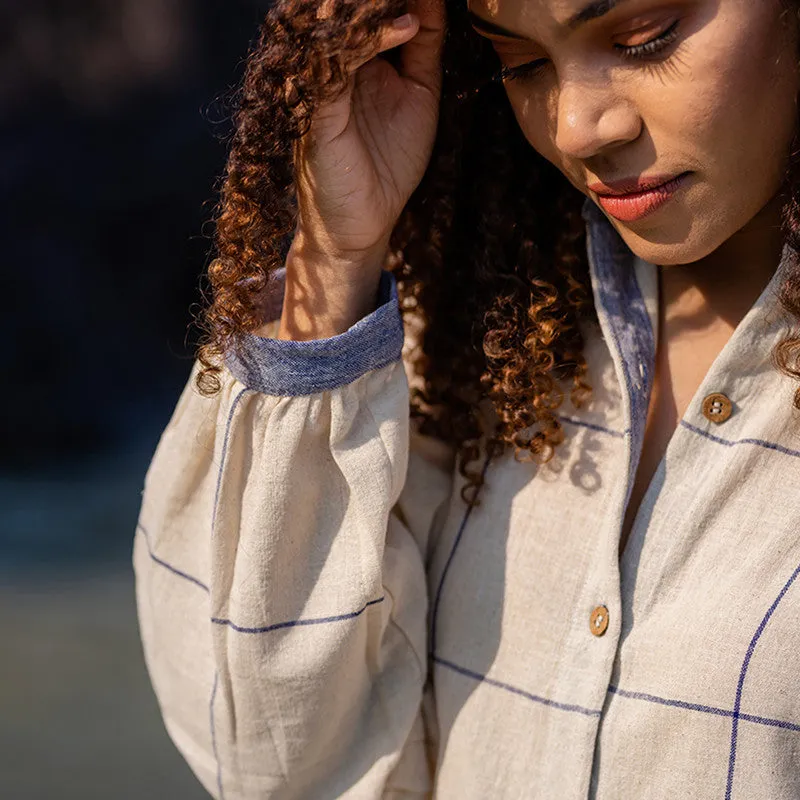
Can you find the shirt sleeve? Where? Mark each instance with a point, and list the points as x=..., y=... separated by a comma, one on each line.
x=280, y=570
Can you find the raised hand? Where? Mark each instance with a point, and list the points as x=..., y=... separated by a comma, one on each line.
x=363, y=157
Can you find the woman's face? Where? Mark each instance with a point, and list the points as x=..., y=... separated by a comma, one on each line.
x=675, y=116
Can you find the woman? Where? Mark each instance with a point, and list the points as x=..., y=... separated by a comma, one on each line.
x=574, y=575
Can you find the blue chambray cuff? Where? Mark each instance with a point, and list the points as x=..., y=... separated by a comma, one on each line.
x=293, y=369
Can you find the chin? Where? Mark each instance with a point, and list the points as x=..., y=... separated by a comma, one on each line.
x=674, y=244
x=666, y=255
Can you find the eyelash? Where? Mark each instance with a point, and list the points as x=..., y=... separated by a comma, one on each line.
x=634, y=52
x=654, y=46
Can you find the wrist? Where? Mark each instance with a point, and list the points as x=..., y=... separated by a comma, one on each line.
x=327, y=293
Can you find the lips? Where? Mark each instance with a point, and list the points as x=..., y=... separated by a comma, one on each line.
x=636, y=198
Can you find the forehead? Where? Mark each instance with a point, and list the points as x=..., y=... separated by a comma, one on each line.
x=567, y=13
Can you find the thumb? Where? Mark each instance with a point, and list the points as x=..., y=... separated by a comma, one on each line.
x=421, y=60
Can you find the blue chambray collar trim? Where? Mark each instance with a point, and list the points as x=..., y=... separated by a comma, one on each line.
x=625, y=322
x=618, y=296
x=293, y=369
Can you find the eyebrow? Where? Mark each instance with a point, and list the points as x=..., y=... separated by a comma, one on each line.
x=487, y=26
x=595, y=10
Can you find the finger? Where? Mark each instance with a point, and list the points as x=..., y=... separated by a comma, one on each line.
x=399, y=32
x=395, y=34
x=422, y=56
x=333, y=116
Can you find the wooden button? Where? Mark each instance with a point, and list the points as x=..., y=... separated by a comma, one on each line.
x=598, y=622
x=717, y=408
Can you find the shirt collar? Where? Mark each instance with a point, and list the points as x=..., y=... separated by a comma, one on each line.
x=625, y=290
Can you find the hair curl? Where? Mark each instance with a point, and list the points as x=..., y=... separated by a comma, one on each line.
x=497, y=279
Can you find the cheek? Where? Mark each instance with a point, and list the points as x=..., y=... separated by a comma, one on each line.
x=736, y=94
x=537, y=114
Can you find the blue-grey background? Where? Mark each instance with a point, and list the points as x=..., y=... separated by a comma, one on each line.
x=112, y=139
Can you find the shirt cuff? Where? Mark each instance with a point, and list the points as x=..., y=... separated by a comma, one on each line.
x=292, y=369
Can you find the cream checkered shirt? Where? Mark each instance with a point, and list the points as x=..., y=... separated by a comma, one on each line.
x=323, y=617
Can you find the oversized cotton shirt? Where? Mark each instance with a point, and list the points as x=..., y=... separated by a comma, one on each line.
x=324, y=617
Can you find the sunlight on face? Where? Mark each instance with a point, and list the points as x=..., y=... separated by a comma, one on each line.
x=675, y=116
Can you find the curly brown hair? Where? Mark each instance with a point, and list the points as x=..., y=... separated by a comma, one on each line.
x=497, y=279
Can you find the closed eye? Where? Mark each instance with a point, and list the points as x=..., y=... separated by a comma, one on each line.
x=528, y=70
x=653, y=47
x=640, y=52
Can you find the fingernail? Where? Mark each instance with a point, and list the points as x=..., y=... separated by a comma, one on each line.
x=403, y=23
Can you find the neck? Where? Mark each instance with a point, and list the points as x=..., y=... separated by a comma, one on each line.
x=721, y=288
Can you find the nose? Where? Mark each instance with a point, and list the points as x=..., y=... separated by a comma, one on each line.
x=593, y=118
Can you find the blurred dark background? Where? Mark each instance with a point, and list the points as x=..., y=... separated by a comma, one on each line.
x=113, y=123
